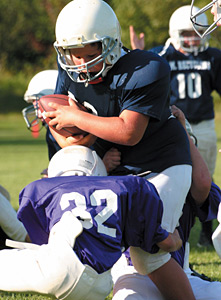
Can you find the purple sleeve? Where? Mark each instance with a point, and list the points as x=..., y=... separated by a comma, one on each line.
x=208, y=211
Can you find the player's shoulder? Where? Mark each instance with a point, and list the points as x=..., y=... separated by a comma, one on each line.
x=136, y=184
x=213, y=53
x=148, y=57
x=166, y=50
x=139, y=68
x=40, y=187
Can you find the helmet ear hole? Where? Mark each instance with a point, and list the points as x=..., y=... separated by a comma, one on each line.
x=76, y=161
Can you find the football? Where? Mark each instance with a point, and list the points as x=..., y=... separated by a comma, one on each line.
x=62, y=100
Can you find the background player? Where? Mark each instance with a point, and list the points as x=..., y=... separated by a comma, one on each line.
x=94, y=216
x=195, y=74
x=41, y=84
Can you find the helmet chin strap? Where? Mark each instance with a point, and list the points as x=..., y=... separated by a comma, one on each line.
x=83, y=76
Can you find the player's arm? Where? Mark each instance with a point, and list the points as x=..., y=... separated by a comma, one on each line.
x=201, y=179
x=9, y=221
x=135, y=41
x=172, y=243
x=216, y=12
x=112, y=159
x=127, y=129
x=82, y=140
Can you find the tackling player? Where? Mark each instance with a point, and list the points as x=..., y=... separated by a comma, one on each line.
x=83, y=223
x=203, y=201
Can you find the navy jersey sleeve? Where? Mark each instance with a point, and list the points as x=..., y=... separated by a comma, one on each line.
x=215, y=55
x=208, y=211
x=141, y=82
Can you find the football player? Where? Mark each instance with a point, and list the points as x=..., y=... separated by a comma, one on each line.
x=203, y=201
x=42, y=84
x=215, y=6
x=195, y=74
x=129, y=91
x=80, y=223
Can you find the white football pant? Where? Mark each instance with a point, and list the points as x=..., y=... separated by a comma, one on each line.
x=130, y=285
x=54, y=269
x=206, y=142
x=172, y=185
x=216, y=237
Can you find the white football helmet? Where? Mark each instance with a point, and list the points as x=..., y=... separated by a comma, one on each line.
x=207, y=29
x=82, y=22
x=180, y=22
x=43, y=83
x=76, y=160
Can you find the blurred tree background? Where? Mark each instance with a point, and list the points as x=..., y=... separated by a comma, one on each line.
x=27, y=36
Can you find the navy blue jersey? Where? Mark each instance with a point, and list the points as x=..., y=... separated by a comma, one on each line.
x=122, y=211
x=207, y=212
x=139, y=81
x=193, y=79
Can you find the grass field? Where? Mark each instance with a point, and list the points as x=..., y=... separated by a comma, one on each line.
x=22, y=158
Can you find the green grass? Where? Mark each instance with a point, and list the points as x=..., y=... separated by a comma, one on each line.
x=22, y=158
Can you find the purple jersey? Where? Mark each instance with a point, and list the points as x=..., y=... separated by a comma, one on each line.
x=193, y=79
x=139, y=81
x=206, y=212
x=120, y=212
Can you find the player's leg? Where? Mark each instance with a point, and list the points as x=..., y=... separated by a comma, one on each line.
x=205, y=290
x=172, y=185
x=134, y=286
x=216, y=237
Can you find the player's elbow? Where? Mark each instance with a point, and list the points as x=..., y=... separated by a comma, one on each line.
x=200, y=191
x=131, y=139
x=171, y=243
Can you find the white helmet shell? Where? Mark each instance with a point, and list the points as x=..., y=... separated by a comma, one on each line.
x=76, y=160
x=83, y=22
x=179, y=22
x=43, y=83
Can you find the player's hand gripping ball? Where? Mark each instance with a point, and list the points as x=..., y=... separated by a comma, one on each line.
x=62, y=100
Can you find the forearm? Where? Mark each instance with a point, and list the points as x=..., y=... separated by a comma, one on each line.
x=172, y=243
x=119, y=130
x=63, y=141
x=201, y=179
